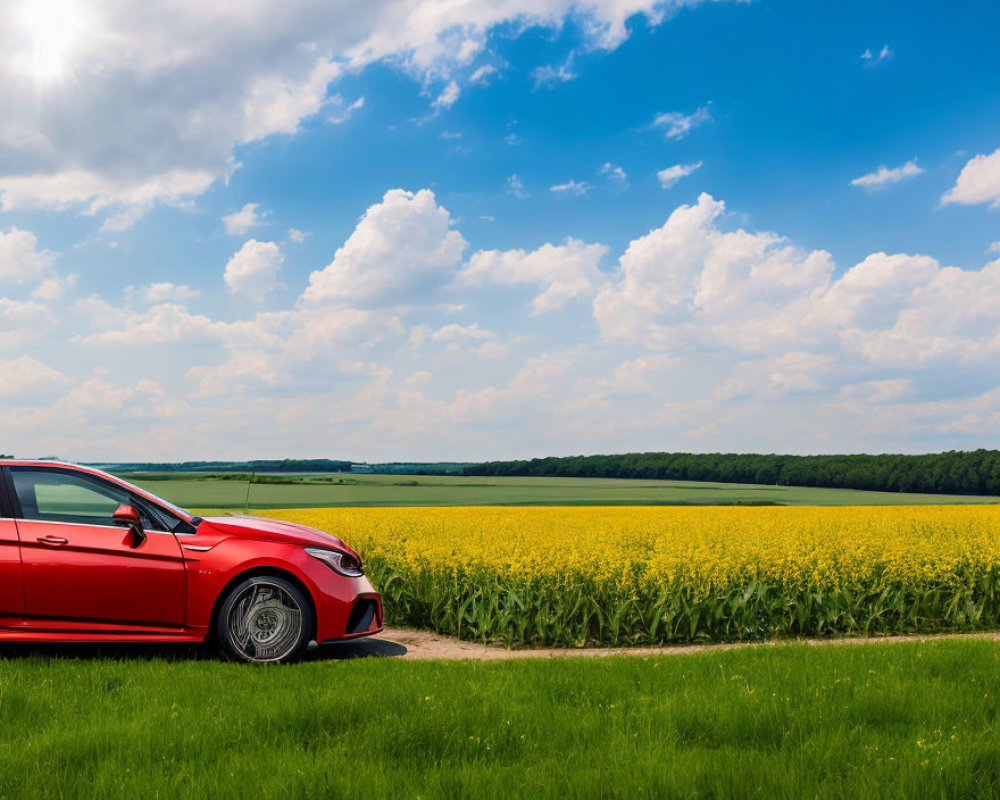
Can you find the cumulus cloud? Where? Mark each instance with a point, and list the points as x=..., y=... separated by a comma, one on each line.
x=402, y=246
x=562, y=271
x=22, y=321
x=239, y=222
x=20, y=258
x=253, y=270
x=671, y=175
x=24, y=375
x=95, y=398
x=676, y=124
x=635, y=375
x=884, y=177
x=166, y=292
x=978, y=182
x=690, y=284
x=165, y=323
x=242, y=369
x=55, y=287
x=702, y=335
x=454, y=335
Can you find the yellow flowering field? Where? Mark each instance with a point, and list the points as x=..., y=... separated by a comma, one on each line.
x=635, y=575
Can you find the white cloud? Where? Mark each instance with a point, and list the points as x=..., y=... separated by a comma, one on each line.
x=449, y=95
x=253, y=269
x=549, y=75
x=571, y=188
x=671, y=175
x=96, y=191
x=24, y=375
x=882, y=391
x=55, y=287
x=454, y=331
x=691, y=285
x=483, y=74
x=564, y=271
x=297, y=236
x=197, y=87
x=239, y=222
x=166, y=292
x=243, y=368
x=453, y=335
x=634, y=375
x=278, y=103
x=340, y=111
x=401, y=247
x=89, y=401
x=884, y=176
x=615, y=176
x=22, y=321
x=676, y=124
x=978, y=182
x=993, y=248
x=704, y=335
x=515, y=186
x=870, y=59
x=165, y=323
x=125, y=219
x=20, y=259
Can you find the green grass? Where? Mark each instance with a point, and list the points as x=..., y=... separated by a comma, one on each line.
x=894, y=721
x=404, y=490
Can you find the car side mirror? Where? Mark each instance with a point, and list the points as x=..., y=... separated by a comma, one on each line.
x=127, y=517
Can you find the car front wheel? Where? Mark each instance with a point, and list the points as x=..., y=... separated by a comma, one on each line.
x=264, y=619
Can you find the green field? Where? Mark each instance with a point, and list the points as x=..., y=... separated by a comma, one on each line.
x=889, y=720
x=317, y=491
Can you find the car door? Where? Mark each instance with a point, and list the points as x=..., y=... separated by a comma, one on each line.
x=82, y=571
x=11, y=588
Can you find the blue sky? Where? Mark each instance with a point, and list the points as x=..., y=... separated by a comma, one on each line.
x=420, y=230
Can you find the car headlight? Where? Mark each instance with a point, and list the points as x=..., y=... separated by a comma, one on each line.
x=342, y=563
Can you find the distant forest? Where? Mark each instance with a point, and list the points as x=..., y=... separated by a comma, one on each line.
x=953, y=472
x=263, y=465
x=301, y=465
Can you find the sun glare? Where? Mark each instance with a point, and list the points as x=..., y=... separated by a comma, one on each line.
x=53, y=31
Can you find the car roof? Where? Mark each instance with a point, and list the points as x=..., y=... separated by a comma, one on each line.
x=38, y=462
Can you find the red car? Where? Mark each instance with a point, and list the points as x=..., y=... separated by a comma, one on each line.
x=87, y=557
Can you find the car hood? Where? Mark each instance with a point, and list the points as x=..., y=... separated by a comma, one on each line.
x=275, y=530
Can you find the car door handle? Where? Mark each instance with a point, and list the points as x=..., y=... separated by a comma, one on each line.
x=53, y=540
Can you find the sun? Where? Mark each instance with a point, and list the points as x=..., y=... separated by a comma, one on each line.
x=53, y=33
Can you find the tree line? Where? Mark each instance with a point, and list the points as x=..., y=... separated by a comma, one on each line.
x=953, y=472
x=259, y=465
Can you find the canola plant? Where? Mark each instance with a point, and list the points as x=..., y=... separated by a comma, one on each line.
x=646, y=575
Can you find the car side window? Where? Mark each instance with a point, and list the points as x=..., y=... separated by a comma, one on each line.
x=53, y=496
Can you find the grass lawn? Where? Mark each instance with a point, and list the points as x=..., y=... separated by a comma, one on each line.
x=888, y=720
x=204, y=492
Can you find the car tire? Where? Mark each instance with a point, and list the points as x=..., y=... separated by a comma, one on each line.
x=264, y=619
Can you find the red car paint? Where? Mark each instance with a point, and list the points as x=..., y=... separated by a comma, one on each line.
x=65, y=582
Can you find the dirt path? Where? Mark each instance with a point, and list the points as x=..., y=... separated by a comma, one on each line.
x=408, y=644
